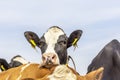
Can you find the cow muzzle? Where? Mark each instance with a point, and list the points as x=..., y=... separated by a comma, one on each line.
x=49, y=58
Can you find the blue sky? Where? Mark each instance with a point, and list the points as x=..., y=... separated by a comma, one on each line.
x=99, y=20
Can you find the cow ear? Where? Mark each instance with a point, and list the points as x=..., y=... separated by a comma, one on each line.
x=74, y=37
x=95, y=75
x=4, y=65
x=32, y=38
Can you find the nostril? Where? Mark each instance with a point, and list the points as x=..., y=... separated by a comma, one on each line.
x=53, y=57
x=43, y=58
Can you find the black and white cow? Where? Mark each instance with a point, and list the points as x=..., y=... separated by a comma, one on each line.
x=53, y=44
x=4, y=64
x=15, y=62
x=109, y=58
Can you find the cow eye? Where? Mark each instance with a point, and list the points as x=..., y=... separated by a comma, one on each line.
x=62, y=42
x=41, y=43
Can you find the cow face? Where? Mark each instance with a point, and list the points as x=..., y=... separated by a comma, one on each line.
x=53, y=44
x=17, y=61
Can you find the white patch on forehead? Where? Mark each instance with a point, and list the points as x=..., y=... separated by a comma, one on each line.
x=51, y=37
x=21, y=60
x=62, y=72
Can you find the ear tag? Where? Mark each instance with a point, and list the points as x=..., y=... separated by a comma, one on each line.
x=2, y=67
x=75, y=43
x=33, y=43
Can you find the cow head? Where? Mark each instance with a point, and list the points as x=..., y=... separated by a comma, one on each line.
x=53, y=44
x=17, y=61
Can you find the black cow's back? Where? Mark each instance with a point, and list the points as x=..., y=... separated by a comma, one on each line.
x=109, y=58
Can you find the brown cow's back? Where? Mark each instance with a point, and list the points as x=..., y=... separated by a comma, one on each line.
x=35, y=72
x=27, y=70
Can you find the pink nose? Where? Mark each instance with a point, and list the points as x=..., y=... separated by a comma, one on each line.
x=49, y=58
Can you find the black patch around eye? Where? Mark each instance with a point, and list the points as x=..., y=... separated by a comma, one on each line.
x=61, y=48
x=62, y=43
x=42, y=44
x=62, y=38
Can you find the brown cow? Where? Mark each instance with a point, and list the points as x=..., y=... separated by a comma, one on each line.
x=55, y=72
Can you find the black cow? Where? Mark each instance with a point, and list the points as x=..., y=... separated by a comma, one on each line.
x=109, y=58
x=15, y=62
x=53, y=44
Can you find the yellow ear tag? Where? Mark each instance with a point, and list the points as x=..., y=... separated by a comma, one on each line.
x=32, y=43
x=2, y=67
x=75, y=42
